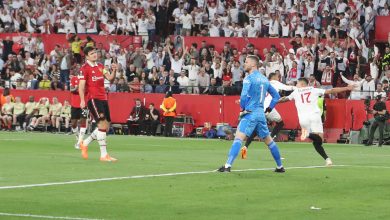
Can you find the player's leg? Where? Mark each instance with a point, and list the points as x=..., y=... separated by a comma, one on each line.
x=9, y=121
x=373, y=128
x=316, y=136
x=20, y=120
x=14, y=119
x=83, y=130
x=100, y=111
x=58, y=123
x=75, y=116
x=245, y=128
x=67, y=120
x=244, y=149
x=53, y=120
x=274, y=116
x=31, y=120
x=35, y=122
x=263, y=133
x=381, y=127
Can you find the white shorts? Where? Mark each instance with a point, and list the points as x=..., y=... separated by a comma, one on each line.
x=273, y=116
x=312, y=123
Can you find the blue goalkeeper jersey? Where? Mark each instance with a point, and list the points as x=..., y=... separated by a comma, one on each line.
x=255, y=88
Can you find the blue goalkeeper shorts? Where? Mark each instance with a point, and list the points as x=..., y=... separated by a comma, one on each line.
x=254, y=122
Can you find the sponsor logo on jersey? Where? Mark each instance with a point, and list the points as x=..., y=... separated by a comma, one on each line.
x=96, y=78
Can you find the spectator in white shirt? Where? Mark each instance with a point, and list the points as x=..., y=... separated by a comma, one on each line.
x=67, y=25
x=142, y=24
x=187, y=21
x=379, y=91
x=176, y=61
x=368, y=87
x=252, y=30
x=357, y=86
x=183, y=82
x=193, y=71
x=81, y=24
x=214, y=29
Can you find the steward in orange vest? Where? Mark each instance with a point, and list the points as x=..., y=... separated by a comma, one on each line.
x=169, y=108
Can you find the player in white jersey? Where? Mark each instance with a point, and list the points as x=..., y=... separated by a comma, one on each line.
x=272, y=116
x=309, y=114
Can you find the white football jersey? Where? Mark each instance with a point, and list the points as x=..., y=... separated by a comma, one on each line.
x=306, y=100
x=277, y=86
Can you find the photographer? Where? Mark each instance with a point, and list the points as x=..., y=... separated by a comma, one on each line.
x=381, y=115
x=136, y=117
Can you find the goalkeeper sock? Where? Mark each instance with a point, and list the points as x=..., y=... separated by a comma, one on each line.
x=275, y=153
x=317, y=143
x=233, y=152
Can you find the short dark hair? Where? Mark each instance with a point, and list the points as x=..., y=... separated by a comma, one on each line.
x=385, y=81
x=304, y=80
x=254, y=58
x=272, y=75
x=152, y=104
x=87, y=50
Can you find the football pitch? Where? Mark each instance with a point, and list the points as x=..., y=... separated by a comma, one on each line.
x=42, y=176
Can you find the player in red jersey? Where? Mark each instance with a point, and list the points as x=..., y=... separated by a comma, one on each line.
x=77, y=114
x=92, y=76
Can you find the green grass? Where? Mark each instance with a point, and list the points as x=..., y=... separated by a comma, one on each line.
x=358, y=191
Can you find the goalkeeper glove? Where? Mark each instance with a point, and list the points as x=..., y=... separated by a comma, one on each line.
x=268, y=110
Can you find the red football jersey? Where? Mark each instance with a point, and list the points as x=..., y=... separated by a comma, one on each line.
x=74, y=96
x=94, y=81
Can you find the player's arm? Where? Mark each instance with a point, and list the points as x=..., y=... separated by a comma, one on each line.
x=245, y=93
x=345, y=79
x=287, y=98
x=339, y=90
x=82, y=92
x=111, y=76
x=173, y=108
x=275, y=98
x=284, y=87
x=74, y=88
x=283, y=99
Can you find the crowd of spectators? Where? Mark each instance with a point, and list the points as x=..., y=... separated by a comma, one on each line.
x=328, y=43
x=229, y=18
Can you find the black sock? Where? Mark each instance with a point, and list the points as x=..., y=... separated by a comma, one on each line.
x=250, y=139
x=277, y=128
x=317, y=142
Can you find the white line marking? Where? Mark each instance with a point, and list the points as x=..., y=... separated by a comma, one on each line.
x=13, y=139
x=44, y=216
x=147, y=176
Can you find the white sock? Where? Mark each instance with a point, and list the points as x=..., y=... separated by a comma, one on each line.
x=92, y=137
x=81, y=134
x=228, y=165
x=101, y=138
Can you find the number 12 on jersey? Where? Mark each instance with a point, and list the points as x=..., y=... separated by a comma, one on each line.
x=305, y=97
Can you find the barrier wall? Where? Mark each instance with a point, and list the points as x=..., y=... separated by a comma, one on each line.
x=382, y=28
x=51, y=40
x=340, y=114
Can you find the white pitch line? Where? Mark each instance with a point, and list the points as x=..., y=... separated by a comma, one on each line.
x=44, y=216
x=146, y=176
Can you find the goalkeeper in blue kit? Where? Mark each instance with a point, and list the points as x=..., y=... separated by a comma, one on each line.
x=255, y=88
